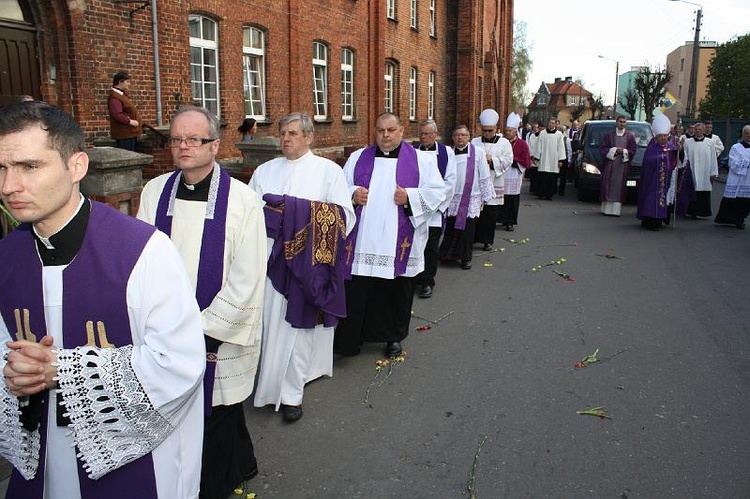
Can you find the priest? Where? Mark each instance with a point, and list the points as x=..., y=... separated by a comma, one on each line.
x=617, y=149
x=700, y=154
x=101, y=344
x=549, y=148
x=498, y=154
x=514, y=175
x=395, y=190
x=305, y=194
x=659, y=162
x=216, y=222
x=735, y=205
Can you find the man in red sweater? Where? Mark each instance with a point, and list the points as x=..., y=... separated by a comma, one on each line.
x=124, y=122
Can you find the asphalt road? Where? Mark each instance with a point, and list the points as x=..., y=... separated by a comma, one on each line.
x=486, y=400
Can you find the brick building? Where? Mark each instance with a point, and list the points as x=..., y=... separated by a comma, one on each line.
x=342, y=61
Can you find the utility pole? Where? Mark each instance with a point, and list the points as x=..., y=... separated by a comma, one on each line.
x=693, y=89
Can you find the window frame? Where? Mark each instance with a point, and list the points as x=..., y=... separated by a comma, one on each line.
x=389, y=87
x=413, y=93
x=433, y=18
x=248, y=53
x=431, y=95
x=205, y=45
x=347, y=84
x=320, y=82
x=414, y=14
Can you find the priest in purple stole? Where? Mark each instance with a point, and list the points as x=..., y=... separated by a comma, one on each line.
x=217, y=225
x=395, y=190
x=102, y=392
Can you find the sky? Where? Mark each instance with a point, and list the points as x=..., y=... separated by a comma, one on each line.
x=566, y=37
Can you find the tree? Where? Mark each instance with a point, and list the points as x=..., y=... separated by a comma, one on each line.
x=521, y=66
x=577, y=111
x=630, y=102
x=596, y=104
x=650, y=85
x=728, y=74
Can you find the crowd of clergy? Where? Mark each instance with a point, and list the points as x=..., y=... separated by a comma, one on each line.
x=131, y=344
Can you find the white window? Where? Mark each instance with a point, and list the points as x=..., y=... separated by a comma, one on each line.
x=390, y=9
x=204, y=62
x=320, y=80
x=347, y=84
x=413, y=14
x=433, y=18
x=390, y=76
x=254, y=72
x=412, y=93
x=431, y=95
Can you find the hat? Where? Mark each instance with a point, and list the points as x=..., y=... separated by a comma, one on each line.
x=661, y=124
x=513, y=121
x=489, y=117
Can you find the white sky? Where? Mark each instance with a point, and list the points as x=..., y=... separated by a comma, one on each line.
x=567, y=36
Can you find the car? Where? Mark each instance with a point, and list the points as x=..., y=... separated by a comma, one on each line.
x=587, y=160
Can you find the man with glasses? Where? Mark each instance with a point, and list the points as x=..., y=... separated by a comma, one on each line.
x=498, y=153
x=446, y=162
x=217, y=225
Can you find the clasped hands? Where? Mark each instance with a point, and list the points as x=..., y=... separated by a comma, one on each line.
x=400, y=197
x=29, y=368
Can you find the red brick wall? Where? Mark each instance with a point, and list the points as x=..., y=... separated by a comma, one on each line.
x=88, y=41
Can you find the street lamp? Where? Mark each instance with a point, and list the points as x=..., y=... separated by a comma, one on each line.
x=693, y=88
x=617, y=77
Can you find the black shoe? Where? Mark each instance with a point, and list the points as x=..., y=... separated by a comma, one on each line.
x=291, y=413
x=393, y=349
x=487, y=247
x=466, y=265
x=509, y=228
x=426, y=291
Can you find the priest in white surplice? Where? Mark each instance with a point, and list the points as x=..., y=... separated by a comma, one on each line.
x=700, y=153
x=102, y=304
x=217, y=224
x=292, y=355
x=395, y=189
x=549, y=149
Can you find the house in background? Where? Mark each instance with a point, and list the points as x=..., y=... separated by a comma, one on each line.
x=679, y=64
x=341, y=61
x=559, y=100
x=626, y=83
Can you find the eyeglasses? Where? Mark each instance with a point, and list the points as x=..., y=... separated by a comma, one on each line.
x=189, y=141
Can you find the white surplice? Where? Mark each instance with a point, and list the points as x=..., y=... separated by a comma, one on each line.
x=161, y=318
x=502, y=158
x=550, y=149
x=375, y=250
x=291, y=356
x=235, y=314
x=449, y=181
x=701, y=155
x=482, y=189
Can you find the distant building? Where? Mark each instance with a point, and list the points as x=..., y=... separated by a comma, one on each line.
x=625, y=83
x=558, y=100
x=679, y=62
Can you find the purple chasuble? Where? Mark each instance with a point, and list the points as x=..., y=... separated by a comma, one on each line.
x=407, y=175
x=463, y=205
x=211, y=262
x=307, y=261
x=656, y=173
x=95, y=313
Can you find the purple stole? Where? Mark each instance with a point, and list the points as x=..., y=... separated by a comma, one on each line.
x=211, y=266
x=463, y=205
x=442, y=157
x=407, y=175
x=95, y=313
x=307, y=259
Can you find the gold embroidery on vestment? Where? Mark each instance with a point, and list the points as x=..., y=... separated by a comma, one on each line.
x=25, y=332
x=327, y=227
x=101, y=332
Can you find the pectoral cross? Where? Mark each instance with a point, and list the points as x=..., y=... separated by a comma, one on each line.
x=25, y=333
x=404, y=245
x=349, y=247
x=102, y=332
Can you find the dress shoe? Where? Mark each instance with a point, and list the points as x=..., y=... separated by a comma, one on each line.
x=393, y=349
x=466, y=265
x=509, y=228
x=426, y=291
x=291, y=413
x=487, y=247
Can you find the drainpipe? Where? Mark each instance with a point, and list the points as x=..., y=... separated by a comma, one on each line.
x=157, y=71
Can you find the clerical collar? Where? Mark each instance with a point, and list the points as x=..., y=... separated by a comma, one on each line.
x=551, y=131
x=746, y=145
x=194, y=192
x=708, y=135
x=433, y=147
x=699, y=140
x=619, y=132
x=493, y=140
x=379, y=153
x=61, y=247
x=465, y=150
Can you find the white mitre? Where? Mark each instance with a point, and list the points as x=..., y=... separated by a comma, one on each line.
x=661, y=124
x=513, y=121
x=489, y=117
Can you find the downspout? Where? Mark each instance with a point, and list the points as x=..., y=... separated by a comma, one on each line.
x=157, y=71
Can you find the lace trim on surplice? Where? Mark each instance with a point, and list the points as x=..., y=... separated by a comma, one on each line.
x=17, y=445
x=112, y=418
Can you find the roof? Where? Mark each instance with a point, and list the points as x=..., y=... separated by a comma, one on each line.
x=559, y=90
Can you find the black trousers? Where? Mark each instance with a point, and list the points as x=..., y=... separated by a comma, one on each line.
x=547, y=184
x=563, y=177
x=228, y=454
x=458, y=244
x=485, y=231
x=427, y=276
x=378, y=310
x=701, y=207
x=509, y=211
